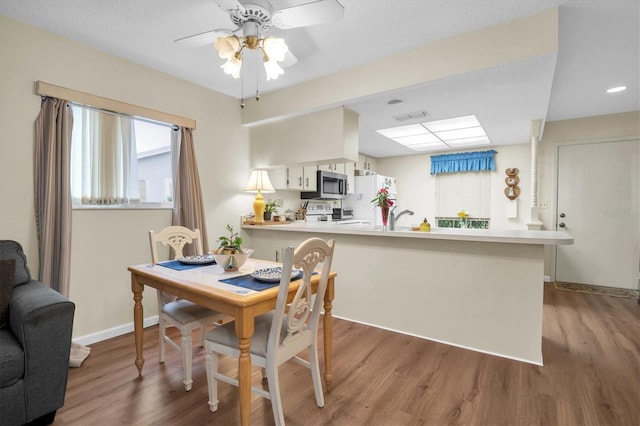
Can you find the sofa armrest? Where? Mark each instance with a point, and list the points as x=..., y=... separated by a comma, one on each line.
x=42, y=321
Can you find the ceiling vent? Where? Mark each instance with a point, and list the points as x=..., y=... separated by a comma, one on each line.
x=411, y=116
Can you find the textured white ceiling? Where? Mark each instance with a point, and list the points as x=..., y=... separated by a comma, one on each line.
x=599, y=47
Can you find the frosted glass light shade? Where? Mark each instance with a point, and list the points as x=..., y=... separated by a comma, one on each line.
x=275, y=48
x=273, y=70
x=227, y=47
x=232, y=67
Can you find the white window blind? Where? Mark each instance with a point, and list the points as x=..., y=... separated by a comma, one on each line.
x=470, y=191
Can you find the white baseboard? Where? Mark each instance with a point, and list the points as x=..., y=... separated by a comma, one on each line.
x=528, y=361
x=113, y=332
x=547, y=279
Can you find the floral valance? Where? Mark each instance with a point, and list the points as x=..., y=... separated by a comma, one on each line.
x=463, y=162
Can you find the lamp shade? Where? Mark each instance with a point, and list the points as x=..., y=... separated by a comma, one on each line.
x=259, y=182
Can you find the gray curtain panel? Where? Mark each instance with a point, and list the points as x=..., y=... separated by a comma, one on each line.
x=188, y=209
x=53, y=192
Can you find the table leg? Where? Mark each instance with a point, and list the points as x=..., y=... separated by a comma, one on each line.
x=138, y=328
x=328, y=334
x=244, y=331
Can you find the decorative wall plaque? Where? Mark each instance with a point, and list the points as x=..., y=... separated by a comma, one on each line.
x=512, y=191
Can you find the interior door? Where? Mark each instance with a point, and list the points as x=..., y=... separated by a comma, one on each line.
x=598, y=194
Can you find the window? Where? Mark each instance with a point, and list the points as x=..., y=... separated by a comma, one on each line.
x=120, y=161
x=470, y=191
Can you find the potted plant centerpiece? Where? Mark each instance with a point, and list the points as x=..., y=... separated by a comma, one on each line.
x=270, y=207
x=229, y=253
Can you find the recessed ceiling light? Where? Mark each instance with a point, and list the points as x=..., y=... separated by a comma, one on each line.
x=617, y=89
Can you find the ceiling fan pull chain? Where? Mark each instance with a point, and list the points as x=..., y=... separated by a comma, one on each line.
x=242, y=88
x=257, y=88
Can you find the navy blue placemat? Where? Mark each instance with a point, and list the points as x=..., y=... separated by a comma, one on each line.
x=247, y=281
x=179, y=266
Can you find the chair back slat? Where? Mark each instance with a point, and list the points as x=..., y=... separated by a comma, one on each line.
x=299, y=317
x=176, y=238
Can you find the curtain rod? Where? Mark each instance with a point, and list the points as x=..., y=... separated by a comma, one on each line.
x=86, y=99
x=120, y=114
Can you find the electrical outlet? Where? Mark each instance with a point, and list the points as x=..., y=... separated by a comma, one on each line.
x=543, y=205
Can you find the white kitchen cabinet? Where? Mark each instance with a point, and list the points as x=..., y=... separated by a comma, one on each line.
x=366, y=163
x=295, y=178
x=302, y=178
x=332, y=167
x=278, y=178
x=310, y=178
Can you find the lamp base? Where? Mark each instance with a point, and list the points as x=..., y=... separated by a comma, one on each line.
x=258, y=208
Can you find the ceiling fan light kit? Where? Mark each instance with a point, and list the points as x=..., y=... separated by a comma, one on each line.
x=250, y=21
x=230, y=48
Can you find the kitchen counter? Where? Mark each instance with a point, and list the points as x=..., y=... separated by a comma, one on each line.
x=477, y=289
x=453, y=234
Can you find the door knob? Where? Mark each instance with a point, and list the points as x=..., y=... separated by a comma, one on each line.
x=561, y=225
x=562, y=214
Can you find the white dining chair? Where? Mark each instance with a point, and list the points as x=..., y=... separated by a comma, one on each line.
x=282, y=333
x=180, y=313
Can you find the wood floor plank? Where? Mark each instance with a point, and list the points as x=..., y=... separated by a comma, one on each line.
x=591, y=376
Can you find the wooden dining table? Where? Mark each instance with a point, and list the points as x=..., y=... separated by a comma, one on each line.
x=203, y=285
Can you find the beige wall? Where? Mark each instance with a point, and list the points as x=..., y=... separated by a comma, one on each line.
x=416, y=187
x=106, y=242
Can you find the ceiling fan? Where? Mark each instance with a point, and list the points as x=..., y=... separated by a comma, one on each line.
x=251, y=20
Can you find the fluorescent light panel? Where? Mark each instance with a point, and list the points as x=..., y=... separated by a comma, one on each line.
x=417, y=139
x=469, y=132
x=439, y=134
x=452, y=123
x=402, y=131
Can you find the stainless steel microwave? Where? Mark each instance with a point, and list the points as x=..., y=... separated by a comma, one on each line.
x=329, y=186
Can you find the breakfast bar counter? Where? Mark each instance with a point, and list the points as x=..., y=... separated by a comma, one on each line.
x=513, y=236
x=476, y=289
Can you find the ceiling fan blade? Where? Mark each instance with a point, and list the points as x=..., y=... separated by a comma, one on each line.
x=304, y=15
x=230, y=6
x=201, y=39
x=289, y=60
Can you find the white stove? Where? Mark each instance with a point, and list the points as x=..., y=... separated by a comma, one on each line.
x=319, y=210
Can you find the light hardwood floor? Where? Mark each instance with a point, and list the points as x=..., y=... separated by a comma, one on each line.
x=591, y=376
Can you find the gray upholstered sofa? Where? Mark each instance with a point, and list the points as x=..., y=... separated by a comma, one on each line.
x=35, y=340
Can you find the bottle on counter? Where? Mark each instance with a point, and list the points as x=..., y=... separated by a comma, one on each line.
x=425, y=226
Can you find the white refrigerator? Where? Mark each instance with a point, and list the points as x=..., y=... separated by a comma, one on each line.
x=364, y=190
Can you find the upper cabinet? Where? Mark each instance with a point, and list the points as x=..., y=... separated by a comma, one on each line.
x=366, y=164
x=302, y=178
x=329, y=136
x=295, y=178
x=278, y=178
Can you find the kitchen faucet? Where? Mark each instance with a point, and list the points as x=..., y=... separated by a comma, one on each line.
x=393, y=217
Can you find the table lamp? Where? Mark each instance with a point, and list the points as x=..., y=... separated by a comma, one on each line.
x=259, y=182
